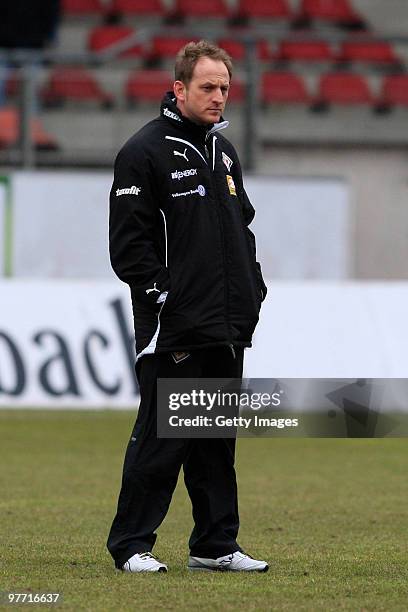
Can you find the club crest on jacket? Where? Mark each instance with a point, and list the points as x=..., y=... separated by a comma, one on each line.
x=231, y=185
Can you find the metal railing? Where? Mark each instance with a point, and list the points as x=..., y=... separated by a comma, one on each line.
x=27, y=65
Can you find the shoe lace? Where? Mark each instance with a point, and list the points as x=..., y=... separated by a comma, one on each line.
x=147, y=555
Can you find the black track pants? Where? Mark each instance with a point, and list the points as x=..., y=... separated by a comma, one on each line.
x=152, y=466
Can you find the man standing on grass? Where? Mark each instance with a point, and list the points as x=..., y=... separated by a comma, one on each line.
x=179, y=237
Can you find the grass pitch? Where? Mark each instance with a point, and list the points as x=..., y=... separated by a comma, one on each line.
x=329, y=515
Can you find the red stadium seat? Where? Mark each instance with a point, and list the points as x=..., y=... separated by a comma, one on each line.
x=12, y=87
x=368, y=51
x=304, y=50
x=101, y=38
x=237, y=90
x=9, y=131
x=201, y=8
x=73, y=84
x=138, y=7
x=148, y=85
x=8, y=127
x=83, y=7
x=269, y=9
x=283, y=87
x=394, y=91
x=164, y=47
x=344, y=88
x=42, y=140
x=337, y=11
x=236, y=49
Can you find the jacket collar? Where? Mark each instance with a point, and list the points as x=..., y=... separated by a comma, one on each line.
x=170, y=112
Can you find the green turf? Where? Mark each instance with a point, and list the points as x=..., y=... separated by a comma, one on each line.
x=329, y=515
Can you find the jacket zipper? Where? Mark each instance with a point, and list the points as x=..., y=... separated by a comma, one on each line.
x=213, y=183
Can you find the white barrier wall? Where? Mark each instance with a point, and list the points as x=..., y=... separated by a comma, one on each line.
x=302, y=227
x=60, y=225
x=70, y=343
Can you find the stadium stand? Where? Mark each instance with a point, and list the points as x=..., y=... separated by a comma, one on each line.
x=394, y=92
x=83, y=7
x=236, y=49
x=73, y=84
x=236, y=92
x=138, y=7
x=322, y=67
x=103, y=37
x=336, y=12
x=10, y=129
x=304, y=51
x=164, y=47
x=368, y=51
x=283, y=87
x=273, y=9
x=12, y=86
x=198, y=8
x=343, y=88
x=147, y=86
x=390, y=19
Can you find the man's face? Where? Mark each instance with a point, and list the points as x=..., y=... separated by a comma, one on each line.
x=203, y=99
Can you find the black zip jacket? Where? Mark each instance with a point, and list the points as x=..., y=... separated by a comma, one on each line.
x=179, y=237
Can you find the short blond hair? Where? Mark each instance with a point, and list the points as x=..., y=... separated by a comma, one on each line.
x=189, y=55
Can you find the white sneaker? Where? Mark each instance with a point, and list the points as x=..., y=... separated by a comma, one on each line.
x=143, y=562
x=235, y=562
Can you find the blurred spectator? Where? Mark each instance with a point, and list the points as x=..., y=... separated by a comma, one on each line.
x=26, y=24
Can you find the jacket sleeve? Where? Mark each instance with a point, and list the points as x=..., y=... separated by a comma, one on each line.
x=135, y=222
x=249, y=214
